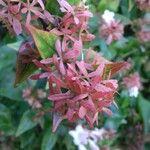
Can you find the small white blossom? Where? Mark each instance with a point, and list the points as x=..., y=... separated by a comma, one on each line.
x=88, y=139
x=80, y=136
x=108, y=16
x=97, y=134
x=82, y=147
x=93, y=145
x=134, y=91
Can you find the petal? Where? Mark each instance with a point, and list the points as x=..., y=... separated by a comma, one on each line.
x=82, y=112
x=49, y=17
x=17, y=26
x=80, y=97
x=61, y=96
x=98, y=72
x=70, y=114
x=93, y=145
x=40, y=65
x=2, y=3
x=62, y=68
x=82, y=147
x=102, y=88
x=28, y=18
x=47, y=61
x=88, y=104
x=107, y=111
x=82, y=68
x=57, y=118
x=58, y=47
x=38, y=13
x=41, y=4
x=113, y=84
x=65, y=5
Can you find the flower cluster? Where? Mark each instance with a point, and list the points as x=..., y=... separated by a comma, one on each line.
x=111, y=29
x=74, y=23
x=133, y=84
x=33, y=97
x=144, y=33
x=79, y=80
x=143, y=4
x=83, y=137
x=14, y=12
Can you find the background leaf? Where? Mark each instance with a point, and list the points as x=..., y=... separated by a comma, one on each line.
x=108, y=4
x=49, y=140
x=144, y=106
x=5, y=120
x=26, y=122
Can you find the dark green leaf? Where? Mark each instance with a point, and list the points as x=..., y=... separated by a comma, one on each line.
x=23, y=71
x=49, y=140
x=54, y=8
x=26, y=123
x=144, y=106
x=108, y=4
x=7, y=74
x=5, y=120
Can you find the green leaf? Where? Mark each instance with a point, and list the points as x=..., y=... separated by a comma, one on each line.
x=74, y=2
x=26, y=123
x=54, y=8
x=23, y=71
x=44, y=41
x=49, y=140
x=124, y=20
x=27, y=139
x=7, y=74
x=144, y=106
x=115, y=121
x=5, y=120
x=108, y=4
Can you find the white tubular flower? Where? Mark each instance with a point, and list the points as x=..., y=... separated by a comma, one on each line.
x=134, y=91
x=93, y=145
x=108, y=16
x=80, y=136
x=82, y=147
x=97, y=134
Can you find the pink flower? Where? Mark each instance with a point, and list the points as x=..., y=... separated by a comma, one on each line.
x=33, y=97
x=32, y=7
x=77, y=88
x=80, y=84
x=74, y=11
x=74, y=21
x=143, y=4
x=144, y=36
x=132, y=80
x=11, y=11
x=133, y=84
x=111, y=32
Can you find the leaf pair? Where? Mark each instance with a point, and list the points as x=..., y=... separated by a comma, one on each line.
x=45, y=43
